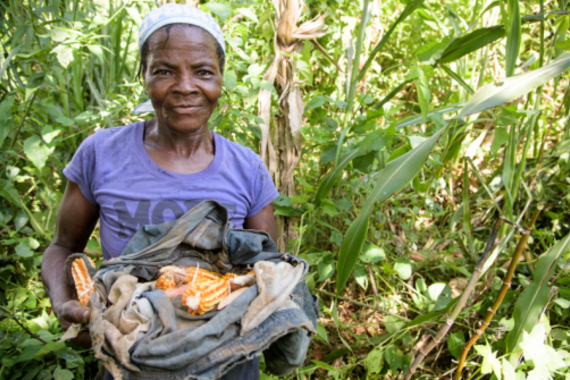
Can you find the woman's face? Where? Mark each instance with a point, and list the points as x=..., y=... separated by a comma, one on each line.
x=183, y=77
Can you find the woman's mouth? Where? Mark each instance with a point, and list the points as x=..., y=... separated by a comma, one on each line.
x=186, y=109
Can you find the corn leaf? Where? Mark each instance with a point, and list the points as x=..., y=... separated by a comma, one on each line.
x=533, y=300
x=493, y=95
x=395, y=176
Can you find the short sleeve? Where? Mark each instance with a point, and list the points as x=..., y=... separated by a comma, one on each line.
x=264, y=191
x=81, y=168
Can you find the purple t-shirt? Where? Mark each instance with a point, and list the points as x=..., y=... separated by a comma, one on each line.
x=113, y=170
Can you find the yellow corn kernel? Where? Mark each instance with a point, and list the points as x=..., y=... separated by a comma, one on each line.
x=204, y=295
x=82, y=280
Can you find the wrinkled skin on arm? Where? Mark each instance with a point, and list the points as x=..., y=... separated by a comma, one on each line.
x=76, y=220
x=263, y=221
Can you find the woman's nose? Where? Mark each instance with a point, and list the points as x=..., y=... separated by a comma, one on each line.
x=185, y=85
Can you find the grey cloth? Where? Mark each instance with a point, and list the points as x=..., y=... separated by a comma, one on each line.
x=170, y=343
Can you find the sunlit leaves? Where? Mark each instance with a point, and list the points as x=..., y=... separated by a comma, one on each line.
x=221, y=9
x=37, y=151
x=64, y=54
x=421, y=77
x=545, y=358
x=490, y=362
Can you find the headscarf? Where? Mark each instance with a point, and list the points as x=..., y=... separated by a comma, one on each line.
x=173, y=13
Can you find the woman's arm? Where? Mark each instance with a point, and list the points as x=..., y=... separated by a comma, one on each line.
x=262, y=221
x=76, y=220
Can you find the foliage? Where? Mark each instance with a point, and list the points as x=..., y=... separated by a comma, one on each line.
x=476, y=91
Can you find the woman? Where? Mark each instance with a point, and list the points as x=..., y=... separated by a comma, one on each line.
x=153, y=172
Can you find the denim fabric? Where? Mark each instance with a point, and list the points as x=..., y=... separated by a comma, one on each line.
x=210, y=346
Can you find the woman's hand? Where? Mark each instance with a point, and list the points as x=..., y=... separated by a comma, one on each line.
x=76, y=220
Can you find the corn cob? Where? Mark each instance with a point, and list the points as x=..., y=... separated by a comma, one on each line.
x=82, y=280
x=204, y=295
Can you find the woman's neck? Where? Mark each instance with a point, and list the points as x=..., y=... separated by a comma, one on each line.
x=181, y=144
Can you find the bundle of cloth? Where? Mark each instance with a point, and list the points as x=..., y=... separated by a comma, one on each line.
x=193, y=298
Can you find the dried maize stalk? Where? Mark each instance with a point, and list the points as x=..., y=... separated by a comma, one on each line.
x=82, y=280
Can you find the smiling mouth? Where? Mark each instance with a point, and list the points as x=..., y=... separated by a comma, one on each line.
x=186, y=109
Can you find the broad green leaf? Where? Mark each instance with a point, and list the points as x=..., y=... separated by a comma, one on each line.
x=563, y=45
x=64, y=54
x=96, y=49
x=431, y=52
x=403, y=268
x=246, y=12
x=393, y=178
x=414, y=120
x=361, y=276
x=50, y=347
x=222, y=10
x=533, y=300
x=62, y=374
x=500, y=139
x=37, y=151
x=490, y=362
x=546, y=359
x=494, y=95
x=316, y=102
x=375, y=361
x=327, y=183
x=372, y=254
x=23, y=250
x=455, y=343
x=458, y=79
x=230, y=79
x=471, y=42
x=326, y=268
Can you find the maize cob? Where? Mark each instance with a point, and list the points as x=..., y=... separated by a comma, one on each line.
x=82, y=280
x=204, y=295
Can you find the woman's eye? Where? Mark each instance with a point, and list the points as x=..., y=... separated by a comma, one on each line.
x=203, y=72
x=162, y=72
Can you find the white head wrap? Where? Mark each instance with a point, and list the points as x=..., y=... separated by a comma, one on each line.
x=173, y=13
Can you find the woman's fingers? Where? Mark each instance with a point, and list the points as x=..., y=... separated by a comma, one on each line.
x=73, y=312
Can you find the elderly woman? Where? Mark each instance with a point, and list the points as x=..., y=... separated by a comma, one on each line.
x=154, y=171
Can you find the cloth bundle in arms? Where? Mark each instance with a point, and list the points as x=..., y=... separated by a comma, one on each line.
x=139, y=333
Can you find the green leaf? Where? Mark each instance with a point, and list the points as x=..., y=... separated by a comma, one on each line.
x=514, y=36
x=393, y=178
x=431, y=52
x=500, y=139
x=471, y=42
x=326, y=268
x=493, y=95
x=440, y=294
x=64, y=54
x=62, y=374
x=327, y=183
x=96, y=49
x=375, y=361
x=50, y=347
x=372, y=254
x=222, y=10
x=316, y=102
x=23, y=250
x=490, y=361
x=321, y=333
x=403, y=268
x=455, y=343
x=246, y=12
x=230, y=79
x=36, y=151
x=361, y=276
x=563, y=45
x=534, y=298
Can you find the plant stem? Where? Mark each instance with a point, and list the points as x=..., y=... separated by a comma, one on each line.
x=23, y=120
x=506, y=285
x=13, y=317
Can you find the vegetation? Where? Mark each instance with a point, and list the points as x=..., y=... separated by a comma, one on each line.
x=435, y=148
